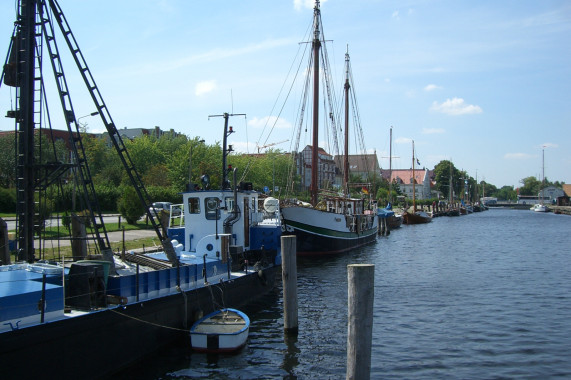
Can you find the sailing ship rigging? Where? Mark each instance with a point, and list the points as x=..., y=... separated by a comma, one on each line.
x=332, y=222
x=387, y=216
x=415, y=217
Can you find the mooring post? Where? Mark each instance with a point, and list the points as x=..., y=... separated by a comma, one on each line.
x=289, y=280
x=361, y=281
x=4, y=243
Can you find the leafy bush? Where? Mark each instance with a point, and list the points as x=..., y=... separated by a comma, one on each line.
x=108, y=196
x=164, y=194
x=130, y=206
x=7, y=200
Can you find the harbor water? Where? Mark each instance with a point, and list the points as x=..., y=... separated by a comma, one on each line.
x=482, y=296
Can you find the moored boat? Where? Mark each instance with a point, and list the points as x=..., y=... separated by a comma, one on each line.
x=337, y=222
x=222, y=331
x=336, y=225
x=391, y=219
x=418, y=217
x=540, y=207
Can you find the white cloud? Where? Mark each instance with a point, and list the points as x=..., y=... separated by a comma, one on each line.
x=517, y=156
x=271, y=121
x=205, y=87
x=432, y=131
x=432, y=87
x=455, y=106
x=395, y=15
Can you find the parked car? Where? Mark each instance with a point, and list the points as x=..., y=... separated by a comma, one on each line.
x=156, y=208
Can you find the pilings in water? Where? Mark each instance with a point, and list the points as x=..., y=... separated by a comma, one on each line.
x=289, y=280
x=383, y=228
x=361, y=280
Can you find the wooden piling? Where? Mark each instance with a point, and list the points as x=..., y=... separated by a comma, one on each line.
x=4, y=243
x=361, y=281
x=289, y=280
x=79, y=238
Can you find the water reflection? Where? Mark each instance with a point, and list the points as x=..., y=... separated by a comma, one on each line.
x=291, y=353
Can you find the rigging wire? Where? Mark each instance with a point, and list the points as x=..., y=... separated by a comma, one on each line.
x=277, y=118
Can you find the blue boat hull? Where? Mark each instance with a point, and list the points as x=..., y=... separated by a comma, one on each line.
x=101, y=343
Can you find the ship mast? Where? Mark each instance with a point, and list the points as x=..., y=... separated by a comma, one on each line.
x=316, y=46
x=413, y=181
x=391, y=165
x=346, y=158
x=542, y=172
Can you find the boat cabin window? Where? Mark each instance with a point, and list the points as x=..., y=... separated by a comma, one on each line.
x=194, y=205
x=211, y=204
x=229, y=203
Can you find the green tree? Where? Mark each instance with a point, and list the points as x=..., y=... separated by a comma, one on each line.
x=157, y=175
x=96, y=153
x=7, y=200
x=178, y=162
x=7, y=161
x=382, y=195
x=445, y=174
x=531, y=186
x=506, y=193
x=169, y=143
x=144, y=153
x=487, y=189
x=130, y=206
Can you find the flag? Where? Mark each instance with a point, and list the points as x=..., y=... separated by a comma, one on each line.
x=364, y=190
x=417, y=162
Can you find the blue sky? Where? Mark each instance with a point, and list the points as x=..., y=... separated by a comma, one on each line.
x=486, y=84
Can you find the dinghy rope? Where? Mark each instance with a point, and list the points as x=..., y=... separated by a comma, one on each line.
x=215, y=304
x=149, y=323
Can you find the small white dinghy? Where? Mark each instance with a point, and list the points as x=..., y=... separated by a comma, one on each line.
x=224, y=330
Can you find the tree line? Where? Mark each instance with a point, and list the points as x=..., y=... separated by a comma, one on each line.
x=166, y=164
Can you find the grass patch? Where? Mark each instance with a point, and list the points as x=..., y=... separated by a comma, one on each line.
x=55, y=232
x=57, y=253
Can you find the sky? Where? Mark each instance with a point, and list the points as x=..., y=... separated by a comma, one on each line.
x=484, y=84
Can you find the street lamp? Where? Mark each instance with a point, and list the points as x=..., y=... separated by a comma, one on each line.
x=84, y=125
x=190, y=165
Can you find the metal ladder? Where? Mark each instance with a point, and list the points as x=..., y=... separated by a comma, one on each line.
x=28, y=86
x=85, y=180
x=114, y=135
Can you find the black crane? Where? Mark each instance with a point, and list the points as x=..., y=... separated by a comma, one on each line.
x=34, y=33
